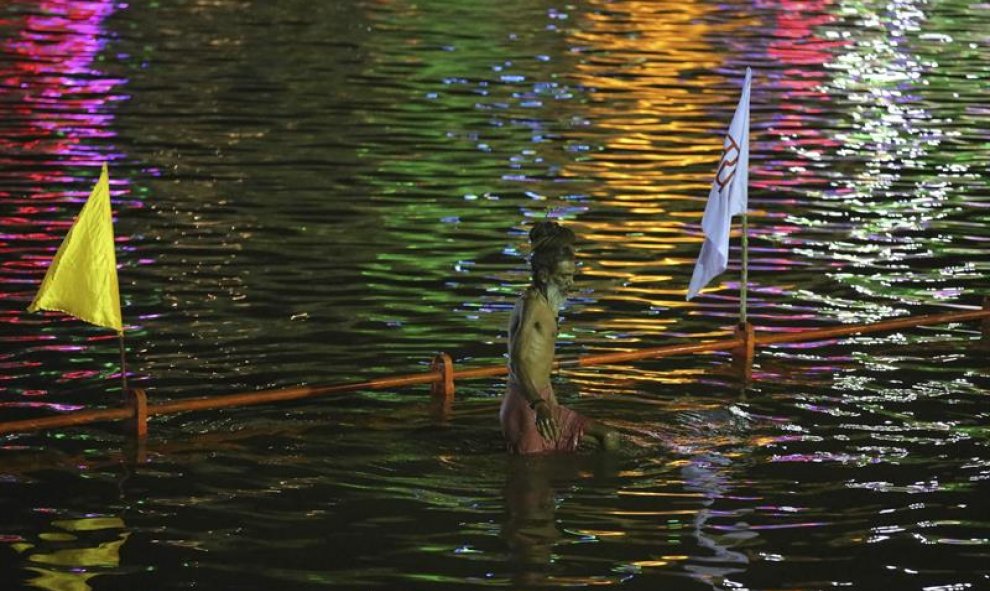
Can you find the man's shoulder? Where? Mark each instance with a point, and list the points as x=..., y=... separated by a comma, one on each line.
x=531, y=303
x=530, y=297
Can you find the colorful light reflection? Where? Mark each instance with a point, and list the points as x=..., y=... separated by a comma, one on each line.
x=56, y=134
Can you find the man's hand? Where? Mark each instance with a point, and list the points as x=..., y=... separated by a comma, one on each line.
x=546, y=424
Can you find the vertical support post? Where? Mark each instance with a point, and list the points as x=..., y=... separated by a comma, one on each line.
x=444, y=387
x=986, y=321
x=744, y=280
x=139, y=406
x=442, y=391
x=137, y=449
x=743, y=355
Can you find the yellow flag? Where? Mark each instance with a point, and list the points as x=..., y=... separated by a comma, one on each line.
x=82, y=279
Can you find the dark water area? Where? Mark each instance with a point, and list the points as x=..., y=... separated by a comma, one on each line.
x=322, y=192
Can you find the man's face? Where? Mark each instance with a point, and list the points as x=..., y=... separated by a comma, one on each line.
x=563, y=276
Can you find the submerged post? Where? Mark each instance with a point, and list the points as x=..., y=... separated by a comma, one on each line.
x=442, y=390
x=139, y=406
x=743, y=355
x=444, y=387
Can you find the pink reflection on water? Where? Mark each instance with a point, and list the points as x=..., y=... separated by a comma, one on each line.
x=61, y=348
x=82, y=374
x=799, y=115
x=43, y=405
x=788, y=142
x=58, y=120
x=58, y=104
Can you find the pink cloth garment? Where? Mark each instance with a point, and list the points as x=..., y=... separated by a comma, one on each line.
x=519, y=423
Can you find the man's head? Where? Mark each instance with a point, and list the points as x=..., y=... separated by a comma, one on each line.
x=553, y=260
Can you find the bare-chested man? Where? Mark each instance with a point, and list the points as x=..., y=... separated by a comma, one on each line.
x=532, y=420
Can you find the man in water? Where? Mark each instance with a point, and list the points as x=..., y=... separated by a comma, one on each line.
x=532, y=420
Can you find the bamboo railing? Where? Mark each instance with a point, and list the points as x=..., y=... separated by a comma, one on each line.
x=442, y=376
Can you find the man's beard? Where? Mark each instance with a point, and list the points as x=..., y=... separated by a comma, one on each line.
x=555, y=297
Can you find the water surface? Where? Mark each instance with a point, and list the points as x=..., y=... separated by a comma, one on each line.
x=312, y=193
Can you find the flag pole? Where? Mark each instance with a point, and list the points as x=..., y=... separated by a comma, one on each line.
x=745, y=268
x=123, y=364
x=744, y=286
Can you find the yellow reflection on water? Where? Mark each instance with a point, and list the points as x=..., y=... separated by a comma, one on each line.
x=649, y=563
x=61, y=568
x=599, y=533
x=665, y=494
x=632, y=53
x=648, y=122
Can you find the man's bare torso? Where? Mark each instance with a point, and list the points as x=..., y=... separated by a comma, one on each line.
x=532, y=332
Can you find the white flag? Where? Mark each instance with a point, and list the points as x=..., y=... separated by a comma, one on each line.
x=728, y=197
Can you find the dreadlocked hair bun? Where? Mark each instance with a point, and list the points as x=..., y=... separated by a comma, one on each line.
x=547, y=234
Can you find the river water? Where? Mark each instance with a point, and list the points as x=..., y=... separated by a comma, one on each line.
x=323, y=192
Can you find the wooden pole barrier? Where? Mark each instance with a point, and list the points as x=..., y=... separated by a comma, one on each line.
x=226, y=401
x=444, y=373
x=286, y=394
x=882, y=326
x=745, y=353
x=650, y=353
x=66, y=420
